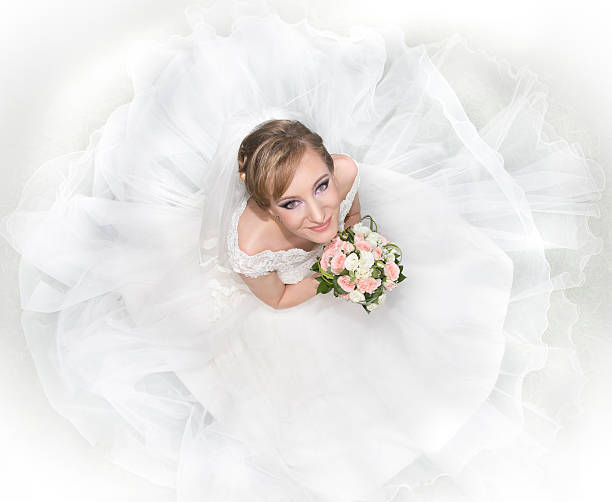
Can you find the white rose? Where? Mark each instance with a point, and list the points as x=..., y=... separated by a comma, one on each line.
x=351, y=262
x=372, y=240
x=360, y=228
x=356, y=296
x=372, y=306
x=362, y=272
x=382, y=298
x=378, y=236
x=366, y=259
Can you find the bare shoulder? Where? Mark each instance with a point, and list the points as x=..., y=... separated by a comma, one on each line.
x=253, y=231
x=345, y=172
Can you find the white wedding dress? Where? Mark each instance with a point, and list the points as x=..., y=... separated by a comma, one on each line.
x=147, y=340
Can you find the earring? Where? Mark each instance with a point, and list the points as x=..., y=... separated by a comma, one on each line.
x=277, y=217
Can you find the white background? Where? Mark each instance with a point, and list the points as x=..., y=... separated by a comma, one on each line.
x=63, y=72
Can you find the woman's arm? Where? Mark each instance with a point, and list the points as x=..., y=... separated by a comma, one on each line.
x=354, y=214
x=272, y=291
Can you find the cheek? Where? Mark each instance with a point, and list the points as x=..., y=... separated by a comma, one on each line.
x=330, y=194
x=332, y=197
x=293, y=219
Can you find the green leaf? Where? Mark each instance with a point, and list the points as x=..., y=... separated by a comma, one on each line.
x=374, y=296
x=323, y=288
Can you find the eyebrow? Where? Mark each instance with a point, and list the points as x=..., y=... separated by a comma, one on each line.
x=314, y=185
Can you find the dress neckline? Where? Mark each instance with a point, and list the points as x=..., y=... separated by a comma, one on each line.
x=291, y=251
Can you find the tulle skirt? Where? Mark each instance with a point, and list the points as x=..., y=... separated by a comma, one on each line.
x=179, y=374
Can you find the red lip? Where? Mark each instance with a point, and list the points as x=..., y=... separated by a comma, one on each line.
x=323, y=227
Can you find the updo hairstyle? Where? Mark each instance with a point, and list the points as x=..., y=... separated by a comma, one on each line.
x=269, y=155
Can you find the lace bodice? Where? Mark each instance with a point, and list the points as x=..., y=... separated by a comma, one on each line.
x=291, y=265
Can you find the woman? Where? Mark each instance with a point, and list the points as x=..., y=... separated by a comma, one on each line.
x=283, y=221
x=366, y=426
x=169, y=303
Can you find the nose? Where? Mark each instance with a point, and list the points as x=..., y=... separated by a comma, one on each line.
x=317, y=215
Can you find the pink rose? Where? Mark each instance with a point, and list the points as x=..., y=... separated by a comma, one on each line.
x=325, y=258
x=377, y=252
x=345, y=283
x=333, y=246
x=363, y=246
x=347, y=247
x=367, y=284
x=337, y=263
x=392, y=271
x=358, y=237
x=389, y=285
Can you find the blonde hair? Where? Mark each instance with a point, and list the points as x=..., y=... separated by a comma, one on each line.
x=269, y=155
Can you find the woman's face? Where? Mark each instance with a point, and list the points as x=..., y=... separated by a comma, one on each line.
x=310, y=201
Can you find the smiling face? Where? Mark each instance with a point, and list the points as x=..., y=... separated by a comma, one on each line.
x=310, y=201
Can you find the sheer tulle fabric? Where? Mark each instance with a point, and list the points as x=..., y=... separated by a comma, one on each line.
x=156, y=351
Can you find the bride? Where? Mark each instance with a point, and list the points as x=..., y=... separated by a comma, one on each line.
x=169, y=303
x=274, y=219
x=343, y=404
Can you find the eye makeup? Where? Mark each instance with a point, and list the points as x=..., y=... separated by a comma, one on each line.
x=289, y=204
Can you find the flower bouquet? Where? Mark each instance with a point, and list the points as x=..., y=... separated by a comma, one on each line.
x=360, y=265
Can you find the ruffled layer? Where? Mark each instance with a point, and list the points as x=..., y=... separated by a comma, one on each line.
x=539, y=192
x=116, y=304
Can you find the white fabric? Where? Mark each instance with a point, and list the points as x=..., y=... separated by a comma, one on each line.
x=291, y=265
x=154, y=348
